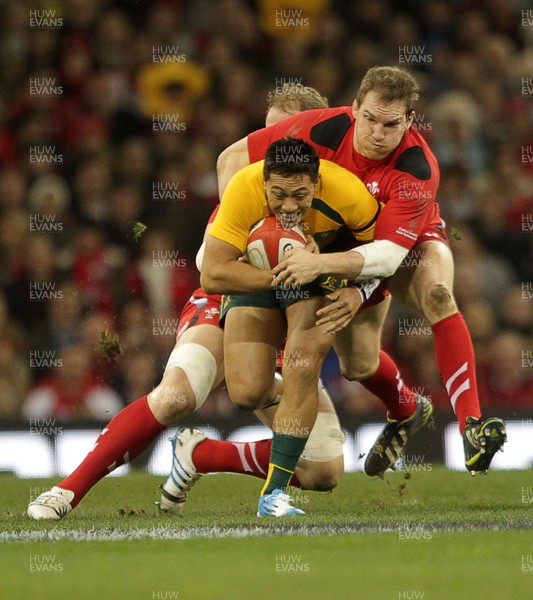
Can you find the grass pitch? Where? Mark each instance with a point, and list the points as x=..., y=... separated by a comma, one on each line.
x=435, y=535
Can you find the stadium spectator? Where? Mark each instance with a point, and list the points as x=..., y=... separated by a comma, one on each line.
x=14, y=231
x=458, y=139
x=34, y=280
x=516, y=309
x=92, y=269
x=480, y=269
x=91, y=184
x=163, y=274
x=171, y=88
x=125, y=208
x=13, y=188
x=70, y=392
x=138, y=373
x=135, y=324
x=61, y=327
x=91, y=329
x=508, y=381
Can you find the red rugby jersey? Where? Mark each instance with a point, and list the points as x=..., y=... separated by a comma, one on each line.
x=213, y=214
x=406, y=180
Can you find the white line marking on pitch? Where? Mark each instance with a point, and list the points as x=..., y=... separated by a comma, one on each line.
x=164, y=533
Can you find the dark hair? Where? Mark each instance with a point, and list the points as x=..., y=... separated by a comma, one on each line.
x=291, y=156
x=391, y=83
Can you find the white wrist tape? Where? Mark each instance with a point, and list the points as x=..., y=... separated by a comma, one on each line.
x=382, y=258
x=367, y=287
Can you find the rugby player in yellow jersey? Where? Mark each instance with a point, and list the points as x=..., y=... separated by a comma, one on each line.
x=194, y=368
x=288, y=185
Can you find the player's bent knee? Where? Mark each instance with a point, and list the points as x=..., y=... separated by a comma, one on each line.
x=250, y=389
x=321, y=477
x=248, y=399
x=199, y=366
x=170, y=403
x=439, y=301
x=328, y=480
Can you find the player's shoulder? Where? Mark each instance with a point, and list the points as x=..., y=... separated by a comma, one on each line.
x=330, y=126
x=414, y=157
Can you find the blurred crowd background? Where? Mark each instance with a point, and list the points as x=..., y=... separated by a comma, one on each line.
x=114, y=112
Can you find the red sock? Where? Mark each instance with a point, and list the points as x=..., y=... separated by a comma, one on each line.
x=248, y=458
x=454, y=353
x=121, y=440
x=388, y=386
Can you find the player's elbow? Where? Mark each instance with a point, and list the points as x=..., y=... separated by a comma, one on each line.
x=389, y=266
x=224, y=169
x=210, y=284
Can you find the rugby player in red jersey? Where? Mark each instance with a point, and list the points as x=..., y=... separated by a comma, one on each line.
x=374, y=139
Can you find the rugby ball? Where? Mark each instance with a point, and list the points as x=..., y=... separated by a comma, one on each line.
x=268, y=241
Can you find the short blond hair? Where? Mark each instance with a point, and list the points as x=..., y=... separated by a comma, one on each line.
x=291, y=97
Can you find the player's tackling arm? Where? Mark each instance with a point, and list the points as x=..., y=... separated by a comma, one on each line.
x=223, y=273
x=378, y=259
x=232, y=159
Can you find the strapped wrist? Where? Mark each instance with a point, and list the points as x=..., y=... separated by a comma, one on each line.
x=367, y=287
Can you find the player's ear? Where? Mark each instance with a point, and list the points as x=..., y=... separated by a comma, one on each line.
x=355, y=107
x=316, y=183
x=410, y=118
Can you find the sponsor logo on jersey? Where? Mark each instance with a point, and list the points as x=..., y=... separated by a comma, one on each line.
x=408, y=234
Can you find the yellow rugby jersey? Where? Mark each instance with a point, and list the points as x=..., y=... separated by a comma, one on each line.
x=341, y=199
